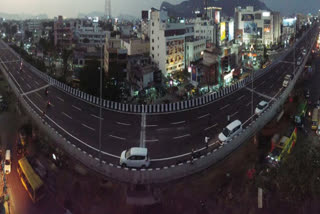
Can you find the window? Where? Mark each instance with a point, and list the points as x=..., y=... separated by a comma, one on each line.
x=152, y=23
x=152, y=40
x=158, y=37
x=153, y=48
x=152, y=31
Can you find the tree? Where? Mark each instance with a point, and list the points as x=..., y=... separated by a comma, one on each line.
x=90, y=77
x=65, y=58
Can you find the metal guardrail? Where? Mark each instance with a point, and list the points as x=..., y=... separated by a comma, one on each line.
x=153, y=108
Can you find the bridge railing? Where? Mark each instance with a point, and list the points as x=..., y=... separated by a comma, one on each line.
x=155, y=108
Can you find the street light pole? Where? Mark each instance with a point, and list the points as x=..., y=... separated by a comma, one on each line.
x=100, y=103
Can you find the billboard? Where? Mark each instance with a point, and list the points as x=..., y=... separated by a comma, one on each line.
x=222, y=31
x=247, y=17
x=216, y=17
x=231, y=31
x=250, y=28
x=289, y=22
x=239, y=34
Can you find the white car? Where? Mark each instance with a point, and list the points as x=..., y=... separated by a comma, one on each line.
x=299, y=61
x=135, y=157
x=1, y=98
x=286, y=80
x=263, y=105
x=230, y=131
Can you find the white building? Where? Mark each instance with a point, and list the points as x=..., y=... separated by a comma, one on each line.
x=167, y=42
x=204, y=29
x=257, y=26
x=89, y=33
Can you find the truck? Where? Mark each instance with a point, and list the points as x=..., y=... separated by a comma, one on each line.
x=301, y=113
x=280, y=149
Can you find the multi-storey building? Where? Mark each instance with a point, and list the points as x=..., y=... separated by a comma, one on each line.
x=167, y=42
x=114, y=53
x=89, y=33
x=259, y=27
x=62, y=33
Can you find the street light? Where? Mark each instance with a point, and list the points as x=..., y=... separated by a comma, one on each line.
x=100, y=103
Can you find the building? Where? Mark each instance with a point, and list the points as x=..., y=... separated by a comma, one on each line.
x=167, y=42
x=289, y=29
x=136, y=46
x=114, y=53
x=89, y=33
x=140, y=72
x=62, y=33
x=257, y=27
x=33, y=25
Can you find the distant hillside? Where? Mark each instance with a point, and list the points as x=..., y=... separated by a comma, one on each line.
x=22, y=16
x=187, y=8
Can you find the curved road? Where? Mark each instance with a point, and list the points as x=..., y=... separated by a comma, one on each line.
x=168, y=136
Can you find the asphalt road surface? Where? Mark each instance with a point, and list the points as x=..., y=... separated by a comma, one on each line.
x=168, y=136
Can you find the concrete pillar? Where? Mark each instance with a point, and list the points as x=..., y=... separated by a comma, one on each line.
x=197, y=102
x=186, y=104
x=158, y=108
x=182, y=105
x=150, y=108
x=127, y=107
x=115, y=105
x=166, y=107
x=174, y=106
x=139, y=108
x=200, y=100
x=111, y=104
x=192, y=101
x=162, y=108
x=135, y=108
x=104, y=103
x=170, y=106
x=178, y=106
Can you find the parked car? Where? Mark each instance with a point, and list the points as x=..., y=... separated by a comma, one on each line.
x=299, y=61
x=286, y=80
x=263, y=105
x=304, y=52
x=230, y=131
x=135, y=157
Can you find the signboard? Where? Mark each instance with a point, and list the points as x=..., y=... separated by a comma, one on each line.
x=222, y=31
x=289, y=22
x=247, y=17
x=231, y=31
x=145, y=14
x=217, y=17
x=266, y=14
x=250, y=28
x=194, y=74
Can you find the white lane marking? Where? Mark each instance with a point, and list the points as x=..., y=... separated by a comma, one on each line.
x=28, y=85
x=124, y=124
x=262, y=83
x=76, y=107
x=22, y=78
x=241, y=97
x=182, y=136
x=116, y=137
x=35, y=90
x=38, y=94
x=210, y=127
x=176, y=123
x=29, y=76
x=271, y=86
x=96, y=116
x=151, y=125
x=59, y=98
x=37, y=82
x=154, y=140
x=206, y=115
x=51, y=104
x=226, y=106
x=234, y=114
x=249, y=103
x=67, y=115
x=88, y=127
x=143, y=130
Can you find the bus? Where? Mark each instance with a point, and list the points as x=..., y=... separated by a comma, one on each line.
x=30, y=180
x=314, y=123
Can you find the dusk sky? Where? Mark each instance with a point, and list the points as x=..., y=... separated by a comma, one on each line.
x=71, y=8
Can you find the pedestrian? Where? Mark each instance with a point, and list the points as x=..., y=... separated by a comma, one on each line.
x=206, y=140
